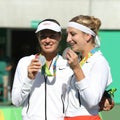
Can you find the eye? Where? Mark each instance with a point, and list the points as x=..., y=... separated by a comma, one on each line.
x=52, y=36
x=42, y=36
x=73, y=33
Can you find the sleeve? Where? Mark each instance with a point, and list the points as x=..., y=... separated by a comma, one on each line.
x=22, y=84
x=92, y=87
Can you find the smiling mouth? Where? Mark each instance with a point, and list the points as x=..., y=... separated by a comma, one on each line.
x=48, y=46
x=72, y=45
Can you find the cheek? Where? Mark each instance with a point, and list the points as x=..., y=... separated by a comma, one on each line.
x=42, y=42
x=56, y=44
x=77, y=40
x=80, y=39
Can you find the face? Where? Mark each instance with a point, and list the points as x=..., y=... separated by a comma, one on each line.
x=49, y=41
x=76, y=39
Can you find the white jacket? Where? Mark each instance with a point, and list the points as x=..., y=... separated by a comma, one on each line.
x=30, y=94
x=91, y=88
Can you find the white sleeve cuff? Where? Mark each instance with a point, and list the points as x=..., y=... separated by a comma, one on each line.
x=81, y=85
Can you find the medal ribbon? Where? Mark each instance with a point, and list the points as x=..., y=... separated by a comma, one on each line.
x=46, y=71
x=83, y=61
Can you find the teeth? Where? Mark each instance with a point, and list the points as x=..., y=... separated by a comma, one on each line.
x=47, y=44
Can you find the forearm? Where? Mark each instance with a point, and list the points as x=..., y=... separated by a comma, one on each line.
x=78, y=72
x=20, y=93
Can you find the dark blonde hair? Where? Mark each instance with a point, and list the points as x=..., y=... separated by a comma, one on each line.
x=88, y=21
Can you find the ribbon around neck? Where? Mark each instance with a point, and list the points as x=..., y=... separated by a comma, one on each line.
x=83, y=61
x=45, y=70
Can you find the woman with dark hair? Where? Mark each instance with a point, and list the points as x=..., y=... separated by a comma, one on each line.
x=40, y=79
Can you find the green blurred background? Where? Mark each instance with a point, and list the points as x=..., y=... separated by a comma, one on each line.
x=110, y=41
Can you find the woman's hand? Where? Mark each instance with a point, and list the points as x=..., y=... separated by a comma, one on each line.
x=72, y=59
x=33, y=68
x=106, y=104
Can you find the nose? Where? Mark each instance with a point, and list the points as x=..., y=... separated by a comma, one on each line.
x=68, y=38
x=47, y=39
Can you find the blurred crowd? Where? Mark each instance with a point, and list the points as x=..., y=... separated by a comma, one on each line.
x=5, y=69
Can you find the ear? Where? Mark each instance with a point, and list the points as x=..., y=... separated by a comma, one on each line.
x=88, y=37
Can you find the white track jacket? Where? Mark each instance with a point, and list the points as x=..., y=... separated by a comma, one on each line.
x=91, y=88
x=40, y=100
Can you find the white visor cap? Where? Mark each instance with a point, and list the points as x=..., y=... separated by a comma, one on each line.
x=48, y=25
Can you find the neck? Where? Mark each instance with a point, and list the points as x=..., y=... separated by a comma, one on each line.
x=49, y=57
x=86, y=51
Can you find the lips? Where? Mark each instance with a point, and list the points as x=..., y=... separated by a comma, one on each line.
x=48, y=46
x=72, y=44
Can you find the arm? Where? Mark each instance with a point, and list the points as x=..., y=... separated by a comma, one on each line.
x=91, y=79
x=93, y=85
x=23, y=81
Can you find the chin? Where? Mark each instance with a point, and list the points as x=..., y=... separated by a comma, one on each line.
x=50, y=51
x=75, y=50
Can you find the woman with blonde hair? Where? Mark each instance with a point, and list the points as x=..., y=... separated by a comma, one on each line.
x=91, y=70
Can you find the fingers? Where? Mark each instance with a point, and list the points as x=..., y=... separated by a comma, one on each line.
x=105, y=105
x=71, y=55
x=72, y=58
x=33, y=68
x=35, y=64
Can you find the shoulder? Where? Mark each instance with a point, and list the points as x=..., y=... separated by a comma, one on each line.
x=99, y=57
x=25, y=60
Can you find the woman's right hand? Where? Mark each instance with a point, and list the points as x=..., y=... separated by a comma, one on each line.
x=33, y=68
x=72, y=59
